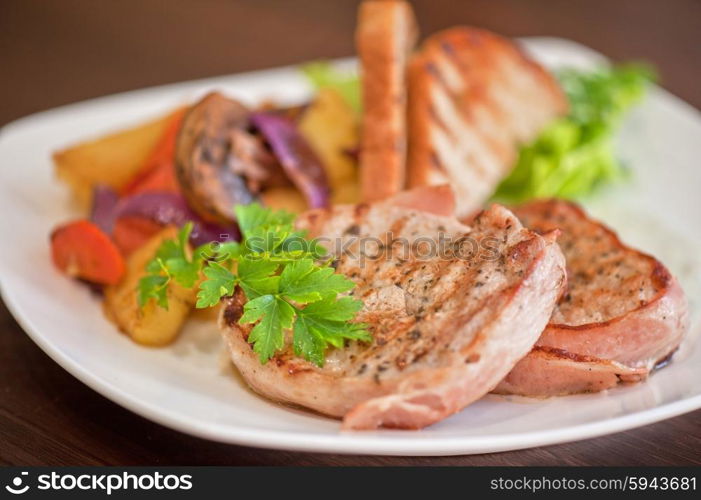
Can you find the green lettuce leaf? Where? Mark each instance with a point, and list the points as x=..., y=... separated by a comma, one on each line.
x=324, y=75
x=574, y=155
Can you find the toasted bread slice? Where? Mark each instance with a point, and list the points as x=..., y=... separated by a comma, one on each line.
x=474, y=97
x=448, y=321
x=385, y=37
x=622, y=315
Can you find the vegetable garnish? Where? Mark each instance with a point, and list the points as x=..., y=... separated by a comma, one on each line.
x=298, y=160
x=171, y=263
x=324, y=75
x=82, y=250
x=287, y=279
x=575, y=155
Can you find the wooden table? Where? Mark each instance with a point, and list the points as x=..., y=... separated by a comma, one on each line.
x=53, y=53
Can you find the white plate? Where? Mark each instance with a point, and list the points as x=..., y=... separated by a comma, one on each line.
x=188, y=387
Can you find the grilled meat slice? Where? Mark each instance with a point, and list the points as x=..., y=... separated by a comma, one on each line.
x=448, y=320
x=385, y=37
x=474, y=97
x=622, y=315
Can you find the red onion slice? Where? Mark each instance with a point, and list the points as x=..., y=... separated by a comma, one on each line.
x=104, y=201
x=301, y=164
x=171, y=208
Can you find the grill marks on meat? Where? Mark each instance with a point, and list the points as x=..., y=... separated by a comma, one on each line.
x=474, y=97
x=446, y=329
x=622, y=314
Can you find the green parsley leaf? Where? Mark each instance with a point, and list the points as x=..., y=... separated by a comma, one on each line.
x=153, y=287
x=229, y=250
x=307, y=343
x=266, y=239
x=274, y=315
x=220, y=282
x=171, y=262
x=286, y=278
x=175, y=249
x=257, y=277
x=343, y=309
x=184, y=272
x=255, y=217
x=316, y=328
x=304, y=282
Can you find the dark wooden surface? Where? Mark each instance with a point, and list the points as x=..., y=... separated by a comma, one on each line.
x=53, y=53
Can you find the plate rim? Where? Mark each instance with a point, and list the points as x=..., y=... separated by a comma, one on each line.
x=398, y=443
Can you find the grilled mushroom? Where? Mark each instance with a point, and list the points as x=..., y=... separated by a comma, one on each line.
x=218, y=162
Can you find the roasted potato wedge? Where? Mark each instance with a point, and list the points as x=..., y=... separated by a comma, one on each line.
x=111, y=160
x=207, y=313
x=331, y=127
x=151, y=325
x=284, y=198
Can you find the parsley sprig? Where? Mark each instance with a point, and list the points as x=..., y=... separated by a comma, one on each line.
x=289, y=284
x=172, y=262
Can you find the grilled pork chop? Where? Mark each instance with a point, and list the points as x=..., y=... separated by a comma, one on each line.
x=474, y=97
x=447, y=326
x=622, y=315
x=385, y=37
